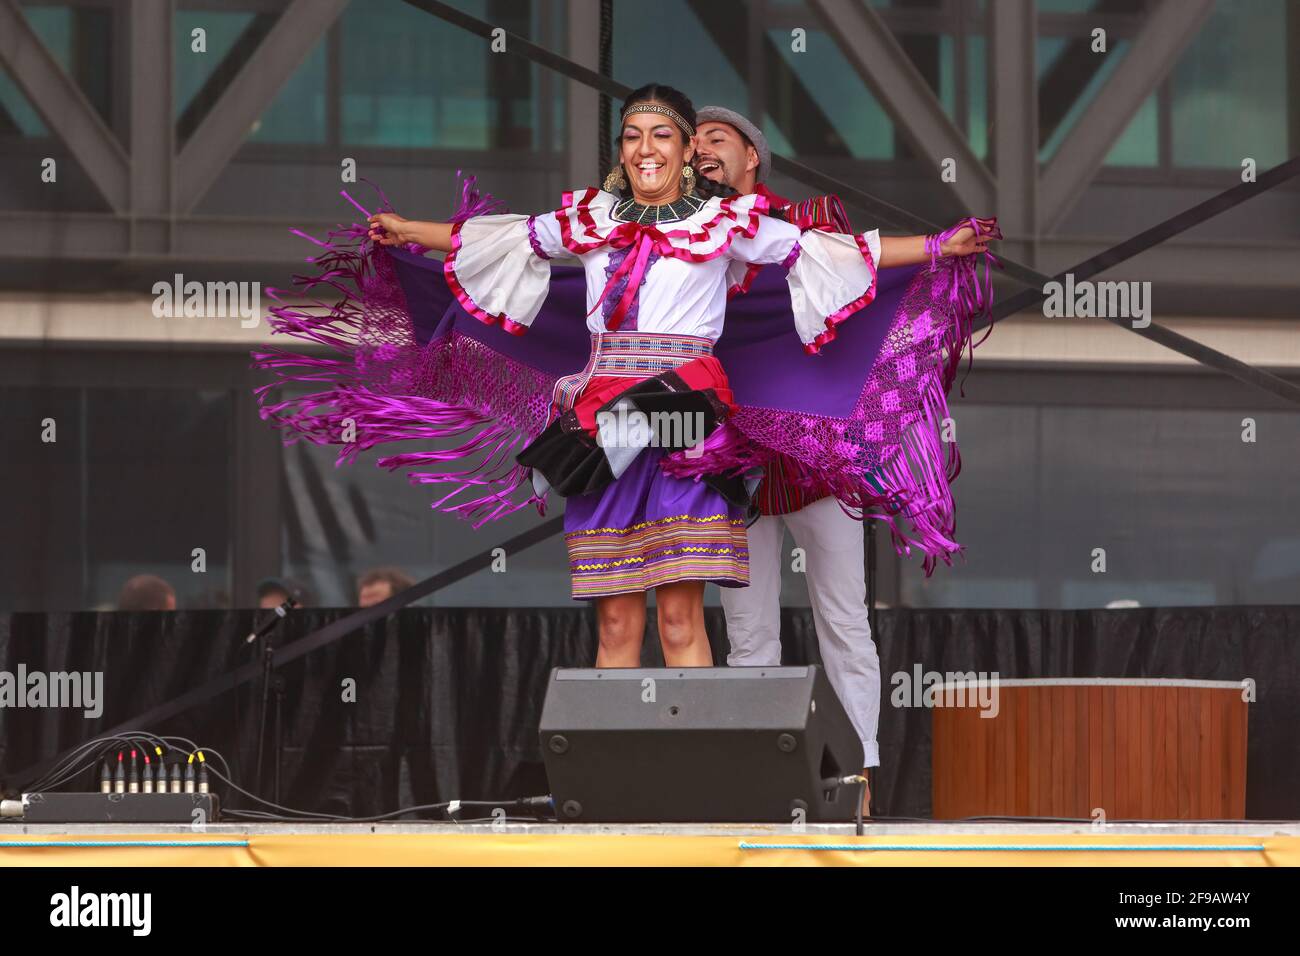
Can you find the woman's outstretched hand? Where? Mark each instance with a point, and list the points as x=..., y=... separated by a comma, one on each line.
x=919, y=250
x=388, y=229
x=965, y=243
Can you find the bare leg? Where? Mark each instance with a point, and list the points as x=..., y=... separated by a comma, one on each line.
x=681, y=624
x=621, y=618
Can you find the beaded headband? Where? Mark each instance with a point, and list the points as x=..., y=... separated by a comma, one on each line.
x=673, y=115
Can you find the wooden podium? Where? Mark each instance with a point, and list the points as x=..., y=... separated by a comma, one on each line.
x=1059, y=747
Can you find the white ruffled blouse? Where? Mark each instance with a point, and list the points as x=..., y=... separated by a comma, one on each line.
x=499, y=266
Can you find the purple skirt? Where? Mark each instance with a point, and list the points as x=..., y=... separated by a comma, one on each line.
x=648, y=528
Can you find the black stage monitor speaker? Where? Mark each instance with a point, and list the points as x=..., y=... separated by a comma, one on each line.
x=698, y=745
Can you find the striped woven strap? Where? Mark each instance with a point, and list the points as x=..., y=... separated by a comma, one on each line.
x=642, y=354
x=630, y=355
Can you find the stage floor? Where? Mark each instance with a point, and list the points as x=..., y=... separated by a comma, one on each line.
x=529, y=844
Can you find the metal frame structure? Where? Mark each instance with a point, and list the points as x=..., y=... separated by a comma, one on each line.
x=150, y=188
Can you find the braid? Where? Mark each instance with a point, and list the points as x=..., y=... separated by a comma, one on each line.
x=708, y=189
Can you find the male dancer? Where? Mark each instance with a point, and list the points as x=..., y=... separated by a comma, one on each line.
x=731, y=150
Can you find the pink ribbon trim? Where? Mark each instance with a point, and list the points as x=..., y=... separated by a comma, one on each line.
x=843, y=312
x=464, y=298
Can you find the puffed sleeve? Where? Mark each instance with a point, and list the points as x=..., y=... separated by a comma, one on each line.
x=774, y=241
x=546, y=238
x=499, y=267
x=831, y=274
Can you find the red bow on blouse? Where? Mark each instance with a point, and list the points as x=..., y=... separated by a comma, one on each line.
x=643, y=239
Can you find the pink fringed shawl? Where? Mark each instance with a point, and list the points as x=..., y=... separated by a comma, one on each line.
x=410, y=364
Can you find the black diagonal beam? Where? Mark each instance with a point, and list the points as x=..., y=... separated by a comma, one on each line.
x=241, y=52
x=1064, y=82
x=1155, y=235
x=804, y=121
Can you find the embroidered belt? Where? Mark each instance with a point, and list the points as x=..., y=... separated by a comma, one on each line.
x=630, y=355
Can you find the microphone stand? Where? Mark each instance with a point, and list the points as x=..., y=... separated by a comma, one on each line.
x=272, y=686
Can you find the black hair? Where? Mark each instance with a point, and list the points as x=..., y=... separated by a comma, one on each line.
x=674, y=99
x=707, y=188
x=668, y=96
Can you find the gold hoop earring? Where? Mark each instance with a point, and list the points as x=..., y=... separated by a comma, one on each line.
x=688, y=180
x=615, y=179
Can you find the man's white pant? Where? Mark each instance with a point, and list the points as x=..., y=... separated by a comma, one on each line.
x=832, y=546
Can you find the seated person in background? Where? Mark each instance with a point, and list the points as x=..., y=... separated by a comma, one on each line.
x=147, y=592
x=272, y=592
x=379, y=584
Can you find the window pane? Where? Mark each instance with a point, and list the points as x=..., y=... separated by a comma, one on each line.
x=1229, y=88
x=977, y=95
x=667, y=43
x=853, y=119
x=81, y=43
x=412, y=80
x=1139, y=145
x=16, y=113
x=1185, y=511
x=192, y=69
x=298, y=115
x=133, y=482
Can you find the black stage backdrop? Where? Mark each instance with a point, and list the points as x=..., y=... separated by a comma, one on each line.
x=448, y=699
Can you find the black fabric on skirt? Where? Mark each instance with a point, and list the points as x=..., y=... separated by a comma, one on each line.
x=574, y=463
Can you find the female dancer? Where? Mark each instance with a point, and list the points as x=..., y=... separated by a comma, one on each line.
x=659, y=263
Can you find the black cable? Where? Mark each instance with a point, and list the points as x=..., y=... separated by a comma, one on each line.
x=260, y=816
x=80, y=760
x=86, y=755
x=340, y=818
x=605, y=146
x=257, y=815
x=195, y=749
x=378, y=818
x=60, y=772
x=288, y=810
